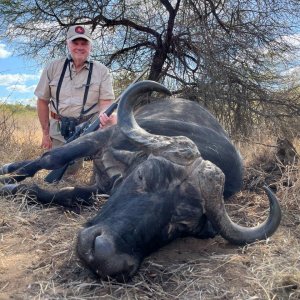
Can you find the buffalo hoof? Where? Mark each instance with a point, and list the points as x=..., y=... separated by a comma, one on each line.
x=9, y=189
x=4, y=169
x=7, y=180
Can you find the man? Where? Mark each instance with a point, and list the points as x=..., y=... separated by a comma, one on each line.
x=73, y=89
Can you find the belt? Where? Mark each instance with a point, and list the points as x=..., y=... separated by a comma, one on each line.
x=82, y=119
x=54, y=116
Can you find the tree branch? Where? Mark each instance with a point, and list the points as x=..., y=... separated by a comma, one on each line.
x=213, y=10
x=127, y=23
x=168, y=6
x=128, y=49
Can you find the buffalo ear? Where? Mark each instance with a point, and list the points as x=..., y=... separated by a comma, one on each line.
x=127, y=157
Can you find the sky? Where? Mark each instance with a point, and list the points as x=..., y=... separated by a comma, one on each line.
x=18, y=77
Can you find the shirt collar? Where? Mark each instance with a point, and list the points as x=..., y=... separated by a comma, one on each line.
x=85, y=66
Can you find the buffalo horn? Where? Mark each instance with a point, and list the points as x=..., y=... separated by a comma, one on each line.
x=177, y=149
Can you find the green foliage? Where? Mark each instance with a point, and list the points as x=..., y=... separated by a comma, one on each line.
x=223, y=54
x=17, y=109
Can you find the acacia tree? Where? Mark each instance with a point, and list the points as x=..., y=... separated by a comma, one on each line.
x=218, y=52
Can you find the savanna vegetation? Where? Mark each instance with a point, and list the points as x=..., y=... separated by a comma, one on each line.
x=231, y=56
x=237, y=58
x=37, y=243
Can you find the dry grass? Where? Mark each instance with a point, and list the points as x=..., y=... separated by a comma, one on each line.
x=20, y=135
x=38, y=259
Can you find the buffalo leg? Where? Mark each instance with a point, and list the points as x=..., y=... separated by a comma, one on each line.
x=67, y=196
x=12, y=167
x=53, y=159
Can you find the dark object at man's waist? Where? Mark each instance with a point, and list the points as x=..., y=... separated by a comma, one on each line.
x=80, y=119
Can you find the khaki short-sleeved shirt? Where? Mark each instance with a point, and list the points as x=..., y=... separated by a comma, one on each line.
x=72, y=90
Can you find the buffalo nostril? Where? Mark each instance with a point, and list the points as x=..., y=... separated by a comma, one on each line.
x=104, y=256
x=103, y=248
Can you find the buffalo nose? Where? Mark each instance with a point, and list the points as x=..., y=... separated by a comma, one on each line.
x=103, y=248
x=98, y=249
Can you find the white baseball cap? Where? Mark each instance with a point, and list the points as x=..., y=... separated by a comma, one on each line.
x=79, y=32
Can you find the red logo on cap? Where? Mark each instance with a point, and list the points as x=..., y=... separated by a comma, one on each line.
x=79, y=29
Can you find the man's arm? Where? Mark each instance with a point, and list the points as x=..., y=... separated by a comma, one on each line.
x=43, y=114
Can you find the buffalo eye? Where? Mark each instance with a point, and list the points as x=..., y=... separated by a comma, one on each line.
x=140, y=175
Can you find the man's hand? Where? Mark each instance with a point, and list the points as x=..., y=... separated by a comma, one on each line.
x=106, y=121
x=46, y=142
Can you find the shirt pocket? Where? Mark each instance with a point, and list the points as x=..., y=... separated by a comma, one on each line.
x=65, y=90
x=53, y=88
x=94, y=93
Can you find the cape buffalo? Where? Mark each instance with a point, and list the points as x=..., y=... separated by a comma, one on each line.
x=167, y=170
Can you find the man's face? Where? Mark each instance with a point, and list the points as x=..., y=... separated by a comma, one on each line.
x=79, y=49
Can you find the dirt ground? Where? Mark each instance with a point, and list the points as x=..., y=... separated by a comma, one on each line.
x=38, y=259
